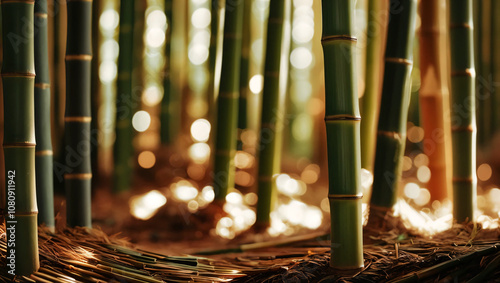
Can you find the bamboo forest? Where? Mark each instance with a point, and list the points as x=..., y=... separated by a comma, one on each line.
x=250, y=141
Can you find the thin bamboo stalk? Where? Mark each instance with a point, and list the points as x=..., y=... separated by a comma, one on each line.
x=95, y=94
x=342, y=121
x=484, y=79
x=18, y=78
x=244, y=70
x=391, y=135
x=227, y=101
x=495, y=68
x=78, y=114
x=123, y=149
x=463, y=111
x=273, y=107
x=168, y=129
x=378, y=19
x=43, y=150
x=434, y=96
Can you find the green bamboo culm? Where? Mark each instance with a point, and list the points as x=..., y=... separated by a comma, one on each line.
x=168, y=128
x=43, y=151
x=463, y=114
x=244, y=69
x=495, y=65
x=375, y=40
x=18, y=78
x=95, y=93
x=123, y=149
x=77, y=118
x=396, y=88
x=227, y=101
x=273, y=108
x=342, y=121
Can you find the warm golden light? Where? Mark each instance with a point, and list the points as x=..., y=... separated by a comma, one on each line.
x=243, y=160
x=200, y=130
x=423, y=174
x=199, y=152
x=146, y=159
x=484, y=172
x=141, y=121
x=415, y=134
x=145, y=206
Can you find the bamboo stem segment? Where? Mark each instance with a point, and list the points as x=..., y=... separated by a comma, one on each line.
x=18, y=78
x=434, y=96
x=376, y=36
x=227, y=101
x=169, y=102
x=78, y=113
x=273, y=107
x=463, y=110
x=343, y=134
x=123, y=149
x=396, y=90
x=44, y=156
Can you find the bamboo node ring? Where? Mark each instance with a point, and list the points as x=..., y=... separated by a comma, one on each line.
x=19, y=144
x=44, y=153
x=81, y=119
x=469, y=72
x=81, y=57
x=399, y=61
x=342, y=117
x=346, y=197
x=78, y=176
x=329, y=38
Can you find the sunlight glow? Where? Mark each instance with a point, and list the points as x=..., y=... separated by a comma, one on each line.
x=145, y=206
x=141, y=121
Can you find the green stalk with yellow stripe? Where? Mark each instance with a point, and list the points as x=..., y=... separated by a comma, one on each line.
x=227, y=101
x=273, y=107
x=463, y=127
x=78, y=177
x=44, y=156
x=18, y=78
x=396, y=90
x=123, y=149
x=342, y=121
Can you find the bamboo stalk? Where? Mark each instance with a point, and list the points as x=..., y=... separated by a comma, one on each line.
x=78, y=114
x=43, y=150
x=273, y=107
x=463, y=110
x=343, y=129
x=227, y=101
x=391, y=135
x=168, y=107
x=484, y=78
x=95, y=94
x=123, y=149
x=378, y=19
x=18, y=78
x=244, y=70
x=495, y=68
x=434, y=96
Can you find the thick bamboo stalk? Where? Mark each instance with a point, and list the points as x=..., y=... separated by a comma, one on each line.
x=463, y=111
x=273, y=107
x=78, y=114
x=378, y=19
x=43, y=151
x=123, y=149
x=342, y=121
x=18, y=78
x=434, y=96
x=169, y=104
x=244, y=69
x=227, y=101
x=391, y=135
